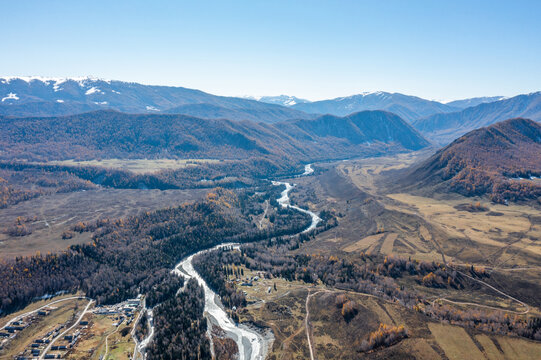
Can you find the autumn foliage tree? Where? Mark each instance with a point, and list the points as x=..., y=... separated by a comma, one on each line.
x=386, y=335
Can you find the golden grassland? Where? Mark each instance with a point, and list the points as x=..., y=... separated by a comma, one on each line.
x=508, y=239
x=364, y=173
x=139, y=166
x=458, y=344
x=429, y=225
x=455, y=342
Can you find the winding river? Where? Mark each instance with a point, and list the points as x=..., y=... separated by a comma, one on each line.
x=251, y=344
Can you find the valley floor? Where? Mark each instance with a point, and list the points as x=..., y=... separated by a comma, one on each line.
x=502, y=240
x=375, y=218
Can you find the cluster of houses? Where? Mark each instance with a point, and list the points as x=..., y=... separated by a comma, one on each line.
x=38, y=345
x=10, y=331
x=62, y=345
x=124, y=311
x=119, y=313
x=249, y=281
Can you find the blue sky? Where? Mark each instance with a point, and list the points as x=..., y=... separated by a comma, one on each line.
x=314, y=49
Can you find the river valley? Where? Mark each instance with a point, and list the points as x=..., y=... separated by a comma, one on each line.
x=252, y=344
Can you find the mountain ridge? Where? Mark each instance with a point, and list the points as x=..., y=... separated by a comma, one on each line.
x=111, y=134
x=67, y=96
x=406, y=106
x=501, y=160
x=474, y=101
x=284, y=100
x=444, y=128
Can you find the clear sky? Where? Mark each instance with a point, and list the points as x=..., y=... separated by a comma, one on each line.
x=313, y=49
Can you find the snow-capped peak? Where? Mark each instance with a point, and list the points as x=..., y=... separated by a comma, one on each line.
x=285, y=100
x=56, y=81
x=363, y=94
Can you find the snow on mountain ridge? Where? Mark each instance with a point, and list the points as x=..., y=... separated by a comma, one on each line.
x=82, y=81
x=284, y=100
x=93, y=90
x=11, y=96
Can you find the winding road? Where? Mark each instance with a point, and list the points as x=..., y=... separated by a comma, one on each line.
x=107, y=342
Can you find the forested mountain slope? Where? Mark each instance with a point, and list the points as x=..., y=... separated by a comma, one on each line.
x=110, y=134
x=502, y=160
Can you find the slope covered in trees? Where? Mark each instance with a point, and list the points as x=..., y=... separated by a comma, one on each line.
x=135, y=255
x=502, y=160
x=181, y=327
x=109, y=134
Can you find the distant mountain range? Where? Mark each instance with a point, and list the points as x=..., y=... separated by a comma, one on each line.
x=465, y=103
x=111, y=134
x=287, y=100
x=440, y=123
x=35, y=96
x=284, y=100
x=502, y=160
x=407, y=107
x=444, y=128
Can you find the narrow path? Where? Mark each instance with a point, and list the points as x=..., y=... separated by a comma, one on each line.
x=65, y=331
x=307, y=322
x=480, y=305
x=487, y=285
x=307, y=325
x=498, y=291
x=264, y=214
x=107, y=343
